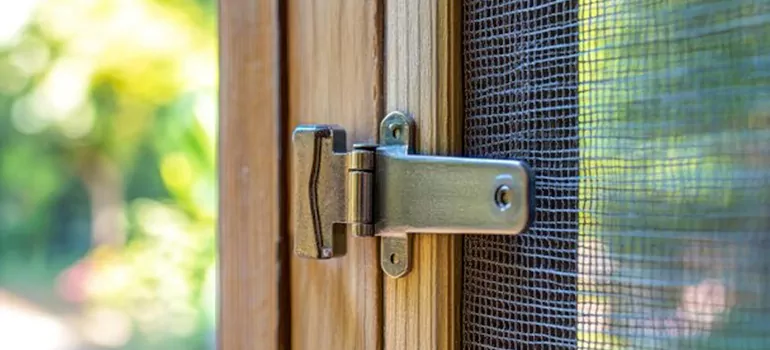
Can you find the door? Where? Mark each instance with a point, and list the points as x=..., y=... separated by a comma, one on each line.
x=644, y=123
x=284, y=64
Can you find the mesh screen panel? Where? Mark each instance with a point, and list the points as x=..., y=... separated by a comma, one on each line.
x=647, y=123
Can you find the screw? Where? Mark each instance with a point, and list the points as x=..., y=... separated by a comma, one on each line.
x=395, y=130
x=503, y=197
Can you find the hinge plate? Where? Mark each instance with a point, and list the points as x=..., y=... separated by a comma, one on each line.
x=402, y=194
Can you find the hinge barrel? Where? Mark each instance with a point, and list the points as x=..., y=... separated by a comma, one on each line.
x=360, y=191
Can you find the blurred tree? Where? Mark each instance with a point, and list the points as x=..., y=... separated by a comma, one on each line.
x=107, y=160
x=674, y=151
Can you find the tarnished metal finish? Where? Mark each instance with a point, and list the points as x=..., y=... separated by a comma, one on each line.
x=448, y=195
x=396, y=129
x=360, y=186
x=319, y=167
x=396, y=251
x=387, y=191
x=360, y=190
x=361, y=157
x=396, y=255
x=416, y=193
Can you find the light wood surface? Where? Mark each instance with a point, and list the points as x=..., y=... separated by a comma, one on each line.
x=423, y=78
x=334, y=58
x=252, y=252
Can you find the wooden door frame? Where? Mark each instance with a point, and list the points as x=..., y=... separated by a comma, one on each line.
x=335, y=77
x=252, y=245
x=305, y=62
x=423, y=77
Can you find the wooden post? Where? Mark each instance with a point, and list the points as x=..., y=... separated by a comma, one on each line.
x=334, y=60
x=252, y=242
x=423, y=78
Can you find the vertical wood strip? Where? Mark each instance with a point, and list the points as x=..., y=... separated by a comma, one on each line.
x=334, y=58
x=251, y=248
x=424, y=78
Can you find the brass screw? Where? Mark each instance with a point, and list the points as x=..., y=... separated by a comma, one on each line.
x=503, y=197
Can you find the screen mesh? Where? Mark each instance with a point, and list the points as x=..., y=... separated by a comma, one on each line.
x=647, y=124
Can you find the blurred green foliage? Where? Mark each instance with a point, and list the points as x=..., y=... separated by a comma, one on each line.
x=674, y=168
x=107, y=161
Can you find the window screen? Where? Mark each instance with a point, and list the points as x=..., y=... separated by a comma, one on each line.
x=647, y=124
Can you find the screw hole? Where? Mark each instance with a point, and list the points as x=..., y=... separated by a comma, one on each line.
x=394, y=259
x=503, y=197
x=395, y=131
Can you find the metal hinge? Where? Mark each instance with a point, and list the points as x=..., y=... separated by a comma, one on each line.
x=384, y=190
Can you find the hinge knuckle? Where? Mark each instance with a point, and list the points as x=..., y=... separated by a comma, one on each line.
x=361, y=158
x=359, y=192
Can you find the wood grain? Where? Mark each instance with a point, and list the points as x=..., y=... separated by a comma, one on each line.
x=423, y=78
x=251, y=248
x=334, y=58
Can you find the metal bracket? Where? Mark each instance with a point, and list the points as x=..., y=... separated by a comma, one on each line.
x=385, y=190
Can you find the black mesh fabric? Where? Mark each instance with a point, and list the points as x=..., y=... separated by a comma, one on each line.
x=647, y=124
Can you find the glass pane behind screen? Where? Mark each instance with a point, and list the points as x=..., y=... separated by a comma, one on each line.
x=647, y=123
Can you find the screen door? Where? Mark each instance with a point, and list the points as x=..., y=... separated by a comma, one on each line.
x=647, y=124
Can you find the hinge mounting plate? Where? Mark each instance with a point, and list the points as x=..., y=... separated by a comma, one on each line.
x=388, y=191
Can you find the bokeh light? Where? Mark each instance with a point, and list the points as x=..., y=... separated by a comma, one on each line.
x=108, y=119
